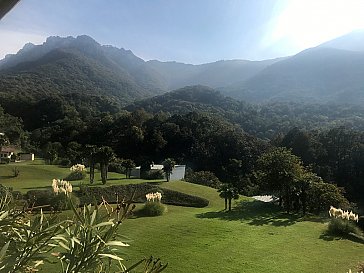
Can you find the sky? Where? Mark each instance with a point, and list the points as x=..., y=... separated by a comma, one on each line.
x=189, y=31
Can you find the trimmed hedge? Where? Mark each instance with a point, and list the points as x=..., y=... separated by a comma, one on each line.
x=110, y=194
x=49, y=200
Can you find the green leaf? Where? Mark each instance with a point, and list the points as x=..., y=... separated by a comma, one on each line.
x=114, y=257
x=3, y=250
x=116, y=243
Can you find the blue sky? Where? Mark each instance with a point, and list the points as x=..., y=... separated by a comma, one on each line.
x=190, y=31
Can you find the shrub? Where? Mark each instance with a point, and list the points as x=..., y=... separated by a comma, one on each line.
x=65, y=162
x=37, y=198
x=4, y=160
x=110, y=194
x=75, y=176
x=153, y=209
x=205, y=178
x=116, y=167
x=153, y=175
x=59, y=202
x=340, y=227
x=361, y=222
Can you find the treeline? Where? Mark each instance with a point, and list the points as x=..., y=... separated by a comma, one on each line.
x=203, y=142
x=336, y=155
x=263, y=121
x=201, y=130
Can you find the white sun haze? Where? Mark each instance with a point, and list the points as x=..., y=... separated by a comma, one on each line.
x=303, y=24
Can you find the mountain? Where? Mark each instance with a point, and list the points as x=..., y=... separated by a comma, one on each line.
x=264, y=121
x=331, y=72
x=216, y=74
x=353, y=41
x=315, y=75
x=68, y=65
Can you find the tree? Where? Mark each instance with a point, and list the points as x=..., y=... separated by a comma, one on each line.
x=3, y=140
x=90, y=153
x=128, y=164
x=228, y=192
x=168, y=165
x=278, y=171
x=104, y=155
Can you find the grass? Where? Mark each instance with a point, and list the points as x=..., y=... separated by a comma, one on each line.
x=37, y=175
x=254, y=237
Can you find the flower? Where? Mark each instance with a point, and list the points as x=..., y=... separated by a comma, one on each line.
x=77, y=168
x=61, y=186
x=151, y=197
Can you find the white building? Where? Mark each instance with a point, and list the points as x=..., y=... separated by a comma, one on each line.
x=178, y=171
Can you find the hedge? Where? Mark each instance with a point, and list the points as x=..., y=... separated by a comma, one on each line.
x=110, y=194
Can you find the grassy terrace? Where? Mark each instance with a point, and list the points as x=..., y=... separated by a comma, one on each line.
x=254, y=237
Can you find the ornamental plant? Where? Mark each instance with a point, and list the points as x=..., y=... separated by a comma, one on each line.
x=88, y=242
x=153, y=206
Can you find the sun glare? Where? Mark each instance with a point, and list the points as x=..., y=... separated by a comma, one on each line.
x=305, y=24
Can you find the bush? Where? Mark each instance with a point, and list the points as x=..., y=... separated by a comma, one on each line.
x=340, y=227
x=4, y=160
x=361, y=222
x=205, y=178
x=49, y=200
x=116, y=167
x=59, y=202
x=75, y=176
x=91, y=194
x=153, y=209
x=39, y=198
x=153, y=175
x=65, y=162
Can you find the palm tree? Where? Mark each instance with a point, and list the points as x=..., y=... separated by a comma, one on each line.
x=90, y=154
x=128, y=164
x=228, y=192
x=168, y=165
x=105, y=155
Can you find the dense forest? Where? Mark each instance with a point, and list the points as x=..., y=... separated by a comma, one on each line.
x=196, y=126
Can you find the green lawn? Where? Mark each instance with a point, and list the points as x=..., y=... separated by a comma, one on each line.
x=254, y=237
x=37, y=175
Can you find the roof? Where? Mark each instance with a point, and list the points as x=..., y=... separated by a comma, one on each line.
x=7, y=150
x=156, y=167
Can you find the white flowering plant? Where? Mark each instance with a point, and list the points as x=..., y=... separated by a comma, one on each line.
x=78, y=168
x=88, y=242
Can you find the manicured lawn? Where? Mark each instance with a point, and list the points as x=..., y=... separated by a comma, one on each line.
x=254, y=237
x=37, y=175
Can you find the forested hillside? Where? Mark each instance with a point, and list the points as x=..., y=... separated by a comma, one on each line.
x=264, y=121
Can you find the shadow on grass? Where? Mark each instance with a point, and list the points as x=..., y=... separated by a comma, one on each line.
x=38, y=188
x=6, y=177
x=258, y=213
x=326, y=236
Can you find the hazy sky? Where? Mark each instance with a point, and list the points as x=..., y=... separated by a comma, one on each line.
x=190, y=31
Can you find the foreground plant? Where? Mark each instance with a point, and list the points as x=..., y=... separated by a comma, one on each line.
x=89, y=242
x=91, y=245
x=28, y=238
